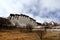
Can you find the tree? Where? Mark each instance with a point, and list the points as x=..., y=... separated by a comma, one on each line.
x=29, y=27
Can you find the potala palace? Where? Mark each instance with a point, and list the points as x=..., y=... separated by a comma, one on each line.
x=22, y=20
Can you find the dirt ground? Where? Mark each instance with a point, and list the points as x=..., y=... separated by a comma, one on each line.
x=16, y=35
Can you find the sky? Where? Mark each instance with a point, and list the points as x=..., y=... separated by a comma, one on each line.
x=40, y=10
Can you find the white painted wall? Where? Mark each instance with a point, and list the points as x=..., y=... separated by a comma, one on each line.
x=22, y=21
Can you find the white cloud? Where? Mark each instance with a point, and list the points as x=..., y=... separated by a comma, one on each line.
x=31, y=8
x=29, y=14
x=50, y=4
x=13, y=6
x=42, y=20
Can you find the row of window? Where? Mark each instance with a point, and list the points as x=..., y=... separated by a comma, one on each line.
x=16, y=17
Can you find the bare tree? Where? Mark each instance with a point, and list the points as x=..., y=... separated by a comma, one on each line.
x=29, y=27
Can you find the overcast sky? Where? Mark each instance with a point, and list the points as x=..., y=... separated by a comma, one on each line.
x=41, y=10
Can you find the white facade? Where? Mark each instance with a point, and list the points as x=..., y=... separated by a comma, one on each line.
x=22, y=20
